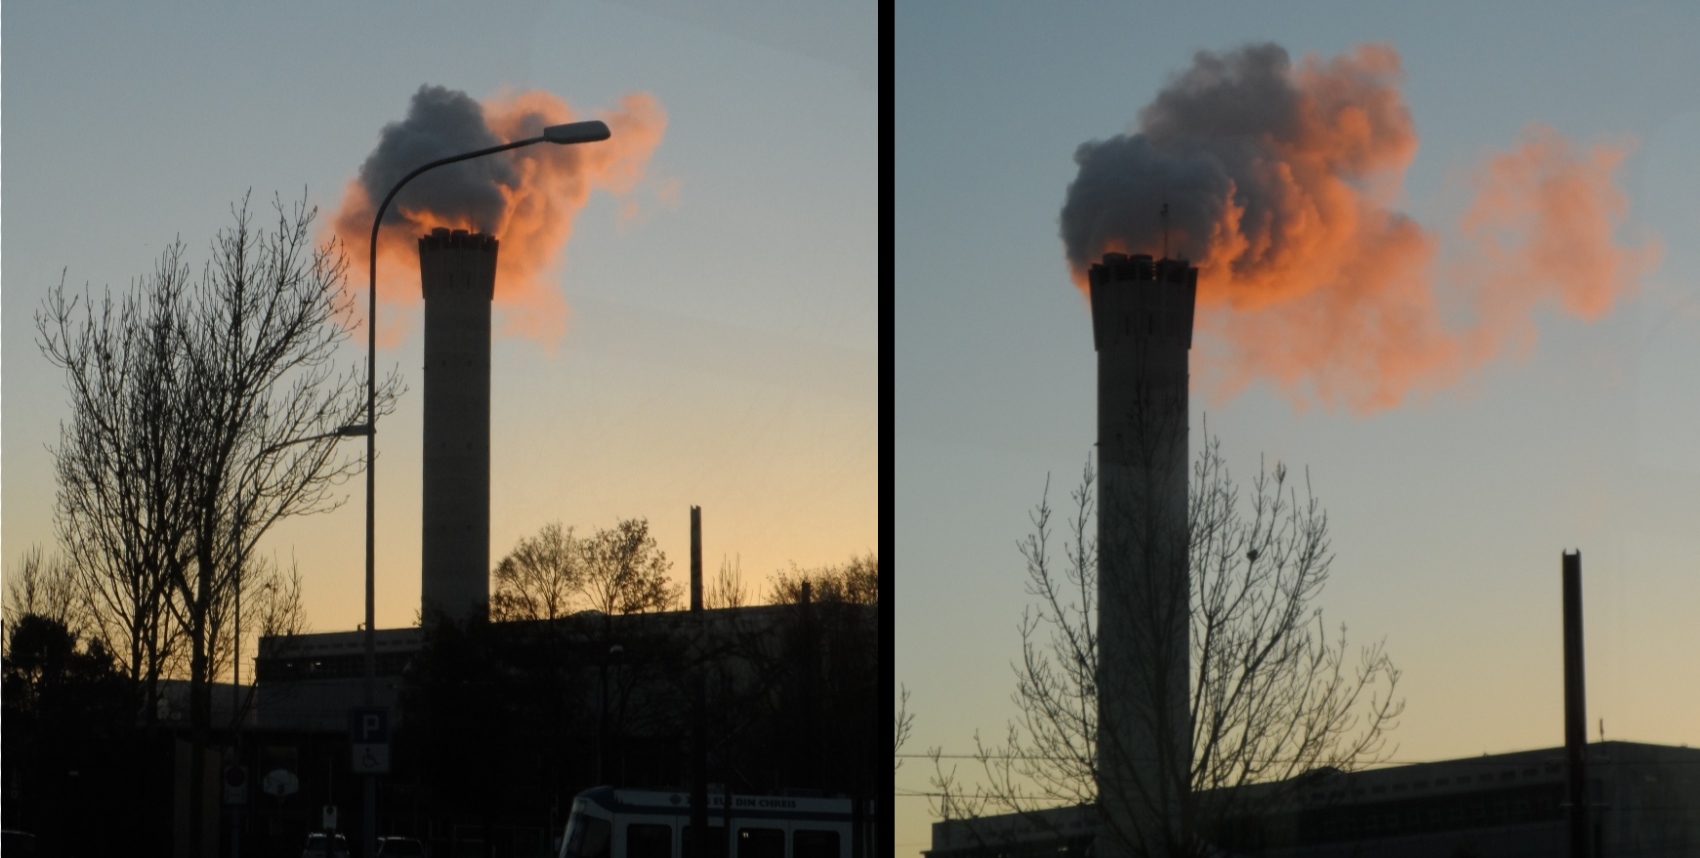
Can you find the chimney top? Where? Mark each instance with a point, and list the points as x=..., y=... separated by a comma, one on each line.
x=442, y=237
x=1118, y=267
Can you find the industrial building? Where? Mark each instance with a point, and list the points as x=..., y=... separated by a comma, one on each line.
x=1645, y=802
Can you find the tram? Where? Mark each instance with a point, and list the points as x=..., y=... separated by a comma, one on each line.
x=628, y=823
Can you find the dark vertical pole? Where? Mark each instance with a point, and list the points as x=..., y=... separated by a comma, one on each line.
x=883, y=820
x=696, y=562
x=699, y=730
x=726, y=820
x=859, y=817
x=1575, y=714
x=236, y=719
x=806, y=666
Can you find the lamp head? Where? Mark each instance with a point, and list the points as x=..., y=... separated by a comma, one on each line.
x=577, y=132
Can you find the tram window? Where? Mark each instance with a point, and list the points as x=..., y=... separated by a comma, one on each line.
x=809, y=843
x=649, y=841
x=761, y=843
x=588, y=839
x=716, y=843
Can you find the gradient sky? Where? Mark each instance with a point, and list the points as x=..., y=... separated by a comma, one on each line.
x=722, y=344
x=1449, y=513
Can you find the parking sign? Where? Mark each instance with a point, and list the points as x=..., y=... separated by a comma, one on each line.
x=369, y=739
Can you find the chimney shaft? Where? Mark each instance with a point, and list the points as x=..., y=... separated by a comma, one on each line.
x=696, y=558
x=458, y=275
x=1575, y=709
x=1142, y=328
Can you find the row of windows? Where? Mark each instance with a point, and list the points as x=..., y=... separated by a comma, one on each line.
x=1500, y=807
x=1461, y=780
x=649, y=840
x=329, y=667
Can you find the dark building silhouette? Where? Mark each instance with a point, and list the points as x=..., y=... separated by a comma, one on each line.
x=1645, y=802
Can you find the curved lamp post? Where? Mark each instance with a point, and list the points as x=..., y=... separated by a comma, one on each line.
x=348, y=431
x=236, y=706
x=572, y=132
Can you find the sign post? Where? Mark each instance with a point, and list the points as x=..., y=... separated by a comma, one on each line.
x=235, y=785
x=369, y=739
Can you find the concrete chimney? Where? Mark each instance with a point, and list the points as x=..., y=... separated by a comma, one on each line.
x=1575, y=710
x=457, y=271
x=1142, y=328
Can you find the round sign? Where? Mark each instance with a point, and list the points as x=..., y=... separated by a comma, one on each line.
x=236, y=777
x=280, y=782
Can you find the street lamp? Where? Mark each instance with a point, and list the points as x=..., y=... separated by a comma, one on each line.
x=572, y=132
x=613, y=657
x=236, y=663
x=350, y=430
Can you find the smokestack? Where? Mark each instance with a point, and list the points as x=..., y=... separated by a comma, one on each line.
x=1142, y=328
x=1575, y=709
x=457, y=271
x=699, y=697
x=696, y=558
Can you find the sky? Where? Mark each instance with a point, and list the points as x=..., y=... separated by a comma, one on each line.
x=715, y=337
x=1523, y=210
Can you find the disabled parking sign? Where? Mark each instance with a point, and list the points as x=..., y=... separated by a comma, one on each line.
x=369, y=739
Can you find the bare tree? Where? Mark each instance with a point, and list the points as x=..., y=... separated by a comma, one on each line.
x=903, y=724
x=540, y=578
x=624, y=571
x=856, y=582
x=122, y=510
x=191, y=400
x=617, y=570
x=727, y=589
x=271, y=607
x=278, y=611
x=1271, y=695
x=44, y=586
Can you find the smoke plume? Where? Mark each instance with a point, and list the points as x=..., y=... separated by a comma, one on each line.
x=1280, y=183
x=526, y=197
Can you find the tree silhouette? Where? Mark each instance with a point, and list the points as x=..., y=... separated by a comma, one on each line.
x=189, y=397
x=68, y=718
x=1271, y=694
x=856, y=582
x=624, y=571
x=541, y=578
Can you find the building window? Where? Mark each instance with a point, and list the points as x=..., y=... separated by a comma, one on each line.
x=649, y=841
x=761, y=843
x=714, y=848
x=806, y=843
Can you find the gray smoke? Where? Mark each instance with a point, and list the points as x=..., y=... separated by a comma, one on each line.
x=440, y=122
x=1207, y=132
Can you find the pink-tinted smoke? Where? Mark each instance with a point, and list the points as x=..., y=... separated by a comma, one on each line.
x=1282, y=182
x=528, y=198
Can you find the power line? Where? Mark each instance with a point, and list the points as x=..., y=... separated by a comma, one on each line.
x=1496, y=760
